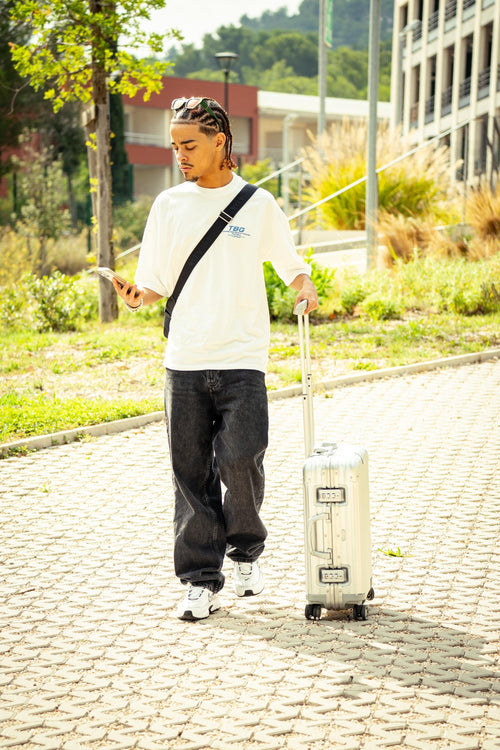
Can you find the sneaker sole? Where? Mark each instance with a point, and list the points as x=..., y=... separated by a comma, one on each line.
x=190, y=617
x=249, y=592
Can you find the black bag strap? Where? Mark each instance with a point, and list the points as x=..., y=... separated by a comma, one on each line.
x=208, y=239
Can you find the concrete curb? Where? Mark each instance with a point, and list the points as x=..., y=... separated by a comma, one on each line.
x=389, y=372
x=132, y=423
x=69, y=436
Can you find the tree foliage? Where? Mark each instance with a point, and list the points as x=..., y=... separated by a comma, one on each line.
x=74, y=54
x=71, y=37
x=350, y=21
x=17, y=99
x=283, y=61
x=43, y=215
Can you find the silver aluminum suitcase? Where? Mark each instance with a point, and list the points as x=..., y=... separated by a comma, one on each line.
x=336, y=513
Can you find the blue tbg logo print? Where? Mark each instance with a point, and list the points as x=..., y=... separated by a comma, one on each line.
x=235, y=231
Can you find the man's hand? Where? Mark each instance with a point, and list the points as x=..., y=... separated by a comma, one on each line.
x=306, y=291
x=130, y=293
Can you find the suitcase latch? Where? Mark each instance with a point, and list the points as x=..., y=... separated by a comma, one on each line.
x=333, y=575
x=331, y=495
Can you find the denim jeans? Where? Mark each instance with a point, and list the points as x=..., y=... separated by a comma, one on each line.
x=217, y=423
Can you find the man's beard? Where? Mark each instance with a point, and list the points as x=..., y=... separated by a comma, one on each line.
x=189, y=178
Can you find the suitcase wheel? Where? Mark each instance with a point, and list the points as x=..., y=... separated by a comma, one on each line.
x=313, y=611
x=359, y=612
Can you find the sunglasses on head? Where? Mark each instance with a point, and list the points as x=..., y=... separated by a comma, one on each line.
x=192, y=103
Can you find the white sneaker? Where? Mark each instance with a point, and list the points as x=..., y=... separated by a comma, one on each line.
x=198, y=604
x=248, y=579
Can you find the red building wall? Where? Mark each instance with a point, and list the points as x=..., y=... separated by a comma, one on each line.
x=242, y=103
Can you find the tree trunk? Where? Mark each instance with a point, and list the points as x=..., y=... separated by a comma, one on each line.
x=71, y=201
x=108, y=306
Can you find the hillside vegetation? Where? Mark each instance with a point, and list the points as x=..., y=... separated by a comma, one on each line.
x=278, y=52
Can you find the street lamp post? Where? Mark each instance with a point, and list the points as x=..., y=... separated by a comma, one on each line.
x=371, y=208
x=225, y=59
x=321, y=69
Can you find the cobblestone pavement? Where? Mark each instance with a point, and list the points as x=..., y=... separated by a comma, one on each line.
x=93, y=657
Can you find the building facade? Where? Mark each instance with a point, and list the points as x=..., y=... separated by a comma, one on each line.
x=147, y=129
x=446, y=80
x=287, y=120
x=266, y=125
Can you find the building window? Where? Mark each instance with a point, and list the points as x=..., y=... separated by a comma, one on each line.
x=465, y=85
x=433, y=22
x=431, y=88
x=482, y=146
x=242, y=135
x=483, y=84
x=415, y=95
x=448, y=67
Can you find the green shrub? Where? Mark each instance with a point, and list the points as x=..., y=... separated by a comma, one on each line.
x=259, y=170
x=352, y=294
x=281, y=298
x=380, y=307
x=13, y=306
x=479, y=299
x=129, y=221
x=420, y=185
x=465, y=288
x=52, y=303
x=57, y=302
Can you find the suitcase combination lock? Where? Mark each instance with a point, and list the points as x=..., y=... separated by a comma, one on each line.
x=333, y=575
x=335, y=495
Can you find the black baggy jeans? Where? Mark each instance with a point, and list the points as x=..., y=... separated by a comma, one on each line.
x=217, y=424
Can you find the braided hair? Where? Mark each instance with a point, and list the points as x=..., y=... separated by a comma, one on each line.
x=209, y=126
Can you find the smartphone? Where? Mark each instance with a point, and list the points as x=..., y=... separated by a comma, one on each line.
x=109, y=274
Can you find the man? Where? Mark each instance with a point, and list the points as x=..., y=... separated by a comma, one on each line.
x=216, y=356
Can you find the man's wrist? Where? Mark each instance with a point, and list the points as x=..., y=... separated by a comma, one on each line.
x=137, y=307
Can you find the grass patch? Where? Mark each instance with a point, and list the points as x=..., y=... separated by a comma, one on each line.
x=28, y=414
x=55, y=381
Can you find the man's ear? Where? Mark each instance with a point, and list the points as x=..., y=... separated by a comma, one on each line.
x=220, y=140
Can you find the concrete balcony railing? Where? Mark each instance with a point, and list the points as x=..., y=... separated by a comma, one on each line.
x=464, y=92
x=417, y=32
x=433, y=21
x=446, y=98
x=146, y=139
x=483, y=83
x=450, y=12
x=468, y=8
x=430, y=106
x=414, y=115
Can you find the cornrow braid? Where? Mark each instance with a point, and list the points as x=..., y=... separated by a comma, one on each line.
x=209, y=126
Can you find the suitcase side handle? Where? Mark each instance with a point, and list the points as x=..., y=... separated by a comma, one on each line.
x=311, y=524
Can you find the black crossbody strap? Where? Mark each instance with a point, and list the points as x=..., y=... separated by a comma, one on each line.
x=208, y=239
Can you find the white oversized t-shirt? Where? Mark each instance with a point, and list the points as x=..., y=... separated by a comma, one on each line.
x=221, y=318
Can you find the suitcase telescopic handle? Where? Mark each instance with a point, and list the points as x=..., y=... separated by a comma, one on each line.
x=305, y=365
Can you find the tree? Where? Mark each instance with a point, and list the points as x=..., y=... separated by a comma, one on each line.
x=17, y=101
x=298, y=51
x=74, y=53
x=43, y=216
x=285, y=61
x=350, y=21
x=63, y=133
x=120, y=167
